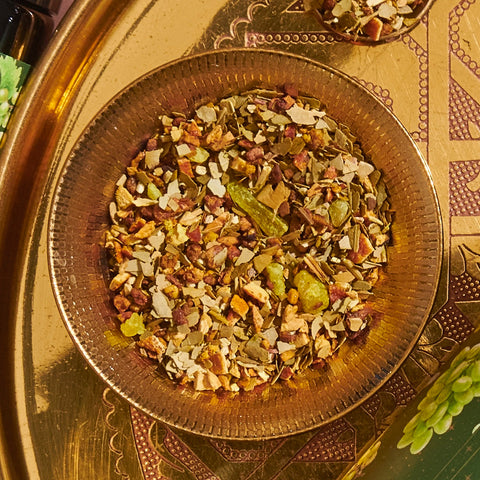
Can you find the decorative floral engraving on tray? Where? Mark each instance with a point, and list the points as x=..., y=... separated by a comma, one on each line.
x=223, y=39
x=422, y=134
x=464, y=106
x=464, y=187
x=296, y=7
x=113, y=443
x=457, y=44
x=256, y=39
x=335, y=444
x=464, y=114
x=239, y=452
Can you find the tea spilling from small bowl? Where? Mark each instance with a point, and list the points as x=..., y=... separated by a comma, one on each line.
x=370, y=22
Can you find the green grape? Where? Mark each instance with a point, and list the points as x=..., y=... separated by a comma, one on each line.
x=476, y=389
x=424, y=403
x=428, y=410
x=474, y=371
x=438, y=415
x=420, y=429
x=463, y=397
x=435, y=389
x=443, y=395
x=457, y=371
x=474, y=352
x=455, y=408
x=421, y=441
x=444, y=376
x=443, y=425
x=4, y=108
x=462, y=384
x=412, y=424
x=406, y=440
x=460, y=356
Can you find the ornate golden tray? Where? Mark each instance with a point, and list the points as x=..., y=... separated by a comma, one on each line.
x=58, y=420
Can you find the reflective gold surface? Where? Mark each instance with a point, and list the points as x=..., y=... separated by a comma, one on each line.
x=58, y=421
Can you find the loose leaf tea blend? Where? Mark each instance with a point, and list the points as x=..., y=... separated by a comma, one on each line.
x=245, y=241
x=372, y=19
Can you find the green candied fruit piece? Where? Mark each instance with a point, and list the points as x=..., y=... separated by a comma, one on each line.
x=275, y=275
x=443, y=425
x=133, y=326
x=153, y=193
x=199, y=155
x=462, y=384
x=338, y=211
x=266, y=219
x=312, y=292
x=421, y=441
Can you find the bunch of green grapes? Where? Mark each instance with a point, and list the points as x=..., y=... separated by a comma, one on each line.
x=445, y=399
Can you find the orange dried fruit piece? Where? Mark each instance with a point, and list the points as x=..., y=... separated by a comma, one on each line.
x=363, y=251
x=239, y=305
x=374, y=29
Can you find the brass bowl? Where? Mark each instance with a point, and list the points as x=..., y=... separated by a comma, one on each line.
x=363, y=39
x=79, y=273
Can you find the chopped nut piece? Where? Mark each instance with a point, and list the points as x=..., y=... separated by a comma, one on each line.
x=257, y=317
x=154, y=344
x=291, y=321
x=206, y=381
x=123, y=198
x=254, y=290
x=118, y=281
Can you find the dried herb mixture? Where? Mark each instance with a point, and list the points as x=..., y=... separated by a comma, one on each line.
x=368, y=18
x=245, y=241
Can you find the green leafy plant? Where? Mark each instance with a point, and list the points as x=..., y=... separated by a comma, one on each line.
x=10, y=84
